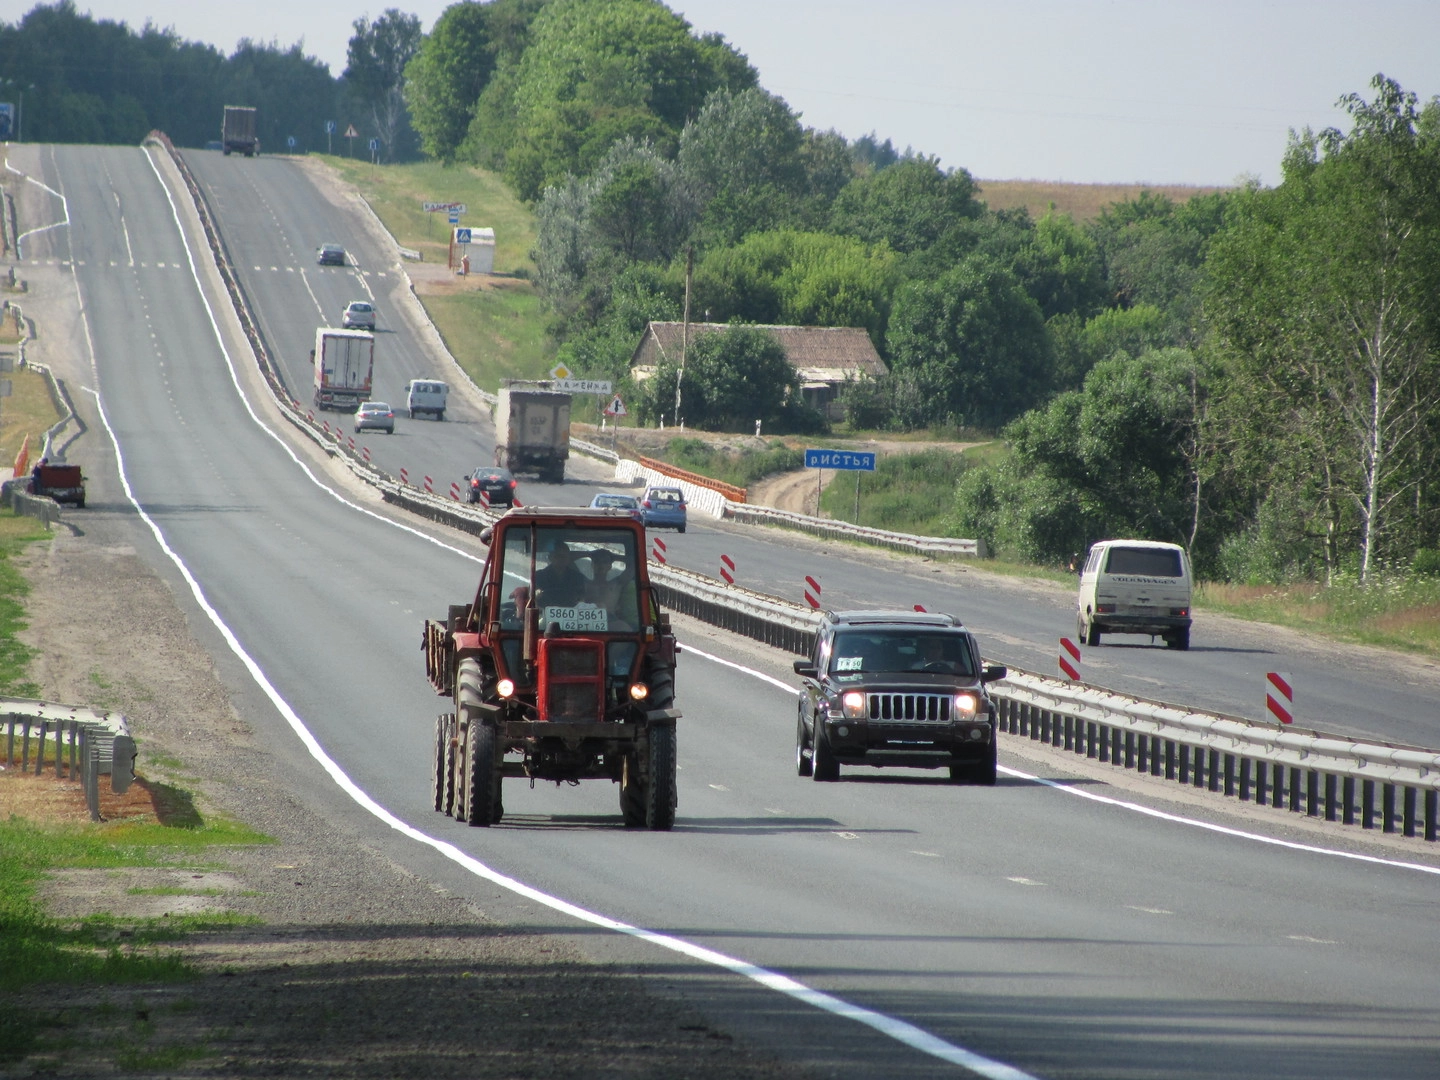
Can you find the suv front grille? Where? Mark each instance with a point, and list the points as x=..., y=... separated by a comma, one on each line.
x=911, y=708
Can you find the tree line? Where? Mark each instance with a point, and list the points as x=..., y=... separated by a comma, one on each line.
x=76, y=79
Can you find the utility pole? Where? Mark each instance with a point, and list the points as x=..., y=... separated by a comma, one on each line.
x=684, y=329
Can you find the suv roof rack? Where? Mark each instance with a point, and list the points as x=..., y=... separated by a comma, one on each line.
x=912, y=618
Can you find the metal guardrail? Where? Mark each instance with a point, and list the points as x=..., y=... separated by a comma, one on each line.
x=83, y=744
x=841, y=530
x=1314, y=773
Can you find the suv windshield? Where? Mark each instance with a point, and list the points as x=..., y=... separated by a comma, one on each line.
x=857, y=652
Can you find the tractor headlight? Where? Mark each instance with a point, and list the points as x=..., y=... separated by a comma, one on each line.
x=505, y=688
x=967, y=704
x=639, y=691
x=853, y=705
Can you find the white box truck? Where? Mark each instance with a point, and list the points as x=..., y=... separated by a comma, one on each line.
x=532, y=430
x=344, y=362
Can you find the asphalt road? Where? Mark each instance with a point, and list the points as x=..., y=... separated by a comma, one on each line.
x=1043, y=932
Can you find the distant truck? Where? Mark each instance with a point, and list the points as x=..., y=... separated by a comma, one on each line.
x=61, y=482
x=532, y=430
x=344, y=362
x=238, y=131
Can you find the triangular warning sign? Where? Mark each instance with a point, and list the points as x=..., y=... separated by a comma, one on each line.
x=351, y=133
x=616, y=407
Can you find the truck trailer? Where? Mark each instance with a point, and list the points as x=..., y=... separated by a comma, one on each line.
x=344, y=362
x=532, y=430
x=237, y=132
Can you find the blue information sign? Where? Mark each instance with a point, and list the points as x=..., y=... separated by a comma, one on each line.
x=374, y=144
x=329, y=127
x=840, y=459
x=290, y=141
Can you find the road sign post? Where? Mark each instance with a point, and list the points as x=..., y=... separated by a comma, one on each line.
x=850, y=460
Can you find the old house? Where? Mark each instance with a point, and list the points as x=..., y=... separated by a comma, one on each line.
x=825, y=357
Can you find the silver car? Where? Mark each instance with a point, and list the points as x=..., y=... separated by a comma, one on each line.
x=359, y=315
x=375, y=416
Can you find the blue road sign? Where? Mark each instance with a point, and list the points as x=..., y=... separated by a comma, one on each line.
x=374, y=144
x=454, y=218
x=329, y=127
x=840, y=459
x=7, y=120
x=290, y=141
x=462, y=236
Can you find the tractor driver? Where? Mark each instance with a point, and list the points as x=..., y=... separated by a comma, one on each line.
x=559, y=583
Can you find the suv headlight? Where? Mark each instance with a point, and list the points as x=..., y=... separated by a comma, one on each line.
x=967, y=705
x=853, y=705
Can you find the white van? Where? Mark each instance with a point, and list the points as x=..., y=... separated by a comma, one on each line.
x=426, y=396
x=1135, y=587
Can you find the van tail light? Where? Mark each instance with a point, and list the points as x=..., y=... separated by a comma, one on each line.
x=1105, y=609
x=512, y=483
x=1180, y=611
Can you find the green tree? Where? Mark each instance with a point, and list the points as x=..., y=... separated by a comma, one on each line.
x=797, y=278
x=378, y=55
x=1322, y=299
x=974, y=340
x=742, y=155
x=453, y=66
x=909, y=205
x=592, y=72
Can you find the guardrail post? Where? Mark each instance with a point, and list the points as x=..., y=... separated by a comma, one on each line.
x=1091, y=737
x=1041, y=731
x=1347, y=800
x=1230, y=775
x=1142, y=757
x=1367, y=804
x=1432, y=810
x=1213, y=768
x=1244, y=779
x=1312, y=793
x=1277, y=774
x=1129, y=749
x=1387, y=798
x=1184, y=770
x=1069, y=722
x=1410, y=794
x=1330, y=795
x=74, y=741
x=1169, y=759
x=1295, y=790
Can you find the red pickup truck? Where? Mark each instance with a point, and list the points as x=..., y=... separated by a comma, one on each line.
x=63, y=483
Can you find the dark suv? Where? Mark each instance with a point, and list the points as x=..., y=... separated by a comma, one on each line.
x=896, y=688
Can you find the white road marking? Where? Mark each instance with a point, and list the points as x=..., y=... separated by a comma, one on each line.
x=1025, y=881
x=892, y=1027
x=719, y=787
x=1149, y=910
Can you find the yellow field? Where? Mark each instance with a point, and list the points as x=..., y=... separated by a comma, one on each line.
x=1083, y=202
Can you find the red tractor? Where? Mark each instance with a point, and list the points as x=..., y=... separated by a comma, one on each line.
x=562, y=668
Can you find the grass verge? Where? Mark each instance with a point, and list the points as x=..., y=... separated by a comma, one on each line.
x=497, y=328
x=15, y=533
x=909, y=493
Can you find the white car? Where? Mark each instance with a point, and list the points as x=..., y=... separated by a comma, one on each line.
x=359, y=315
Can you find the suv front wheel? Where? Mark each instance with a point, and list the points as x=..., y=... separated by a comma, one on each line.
x=802, y=744
x=823, y=765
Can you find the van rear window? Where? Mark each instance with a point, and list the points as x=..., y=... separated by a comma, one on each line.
x=1148, y=562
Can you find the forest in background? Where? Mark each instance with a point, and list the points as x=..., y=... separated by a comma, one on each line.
x=1254, y=373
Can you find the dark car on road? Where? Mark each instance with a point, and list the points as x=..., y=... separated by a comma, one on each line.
x=896, y=688
x=330, y=255
x=664, y=508
x=490, y=484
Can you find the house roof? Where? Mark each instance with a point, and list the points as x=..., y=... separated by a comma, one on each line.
x=819, y=354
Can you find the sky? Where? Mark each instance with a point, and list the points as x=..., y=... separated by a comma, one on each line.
x=1087, y=91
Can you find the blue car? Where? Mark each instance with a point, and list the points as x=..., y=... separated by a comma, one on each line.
x=664, y=508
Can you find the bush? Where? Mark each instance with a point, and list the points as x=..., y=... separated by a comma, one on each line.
x=1426, y=563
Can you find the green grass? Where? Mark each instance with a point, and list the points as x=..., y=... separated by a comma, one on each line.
x=739, y=469
x=1397, y=611
x=909, y=493
x=15, y=533
x=496, y=332
x=36, y=949
x=28, y=411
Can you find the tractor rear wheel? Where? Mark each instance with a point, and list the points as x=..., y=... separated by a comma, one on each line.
x=478, y=798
